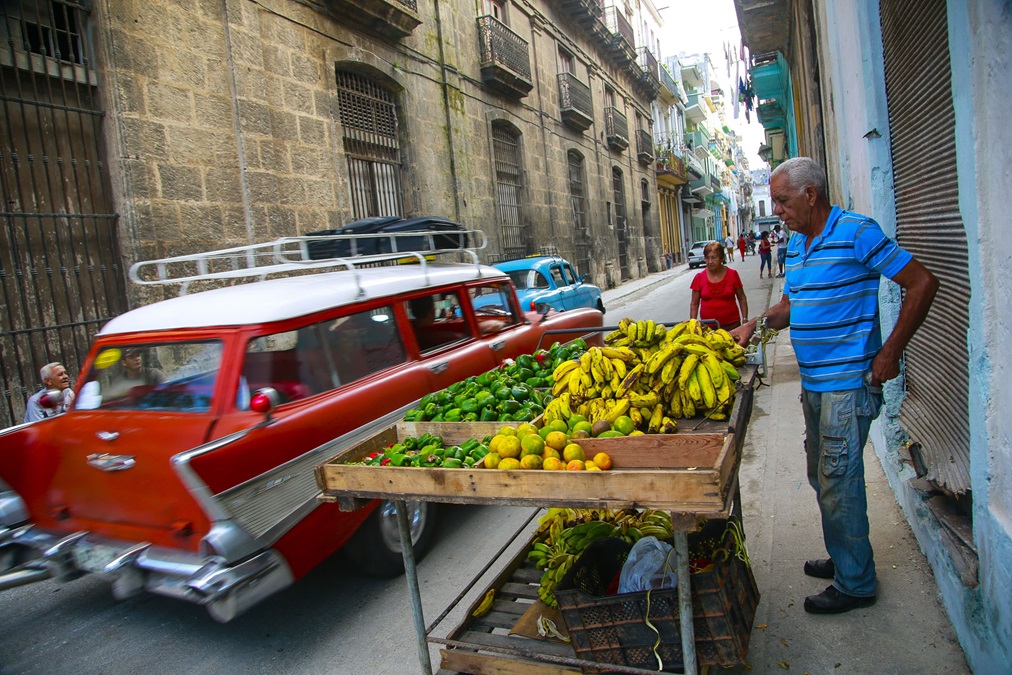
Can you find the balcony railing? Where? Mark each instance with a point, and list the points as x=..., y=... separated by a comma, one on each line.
x=616, y=129
x=668, y=81
x=644, y=146
x=574, y=102
x=583, y=11
x=623, y=46
x=649, y=80
x=505, y=60
x=393, y=19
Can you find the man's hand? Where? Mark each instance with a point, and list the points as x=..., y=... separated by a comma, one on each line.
x=884, y=367
x=743, y=333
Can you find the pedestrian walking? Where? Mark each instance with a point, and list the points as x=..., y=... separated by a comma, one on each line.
x=764, y=255
x=742, y=244
x=729, y=245
x=780, y=237
x=54, y=377
x=835, y=259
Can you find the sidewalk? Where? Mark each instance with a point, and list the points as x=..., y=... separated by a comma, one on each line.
x=907, y=631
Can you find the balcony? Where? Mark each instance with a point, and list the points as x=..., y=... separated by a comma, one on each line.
x=649, y=79
x=623, y=45
x=505, y=61
x=693, y=167
x=668, y=82
x=698, y=138
x=392, y=19
x=616, y=129
x=644, y=146
x=574, y=102
x=583, y=12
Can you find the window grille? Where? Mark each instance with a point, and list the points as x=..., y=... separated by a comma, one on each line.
x=370, y=134
x=509, y=191
x=577, y=195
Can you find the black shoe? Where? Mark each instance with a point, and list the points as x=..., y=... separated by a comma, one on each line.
x=832, y=601
x=822, y=569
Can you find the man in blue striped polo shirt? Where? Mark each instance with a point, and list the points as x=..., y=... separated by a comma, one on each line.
x=834, y=262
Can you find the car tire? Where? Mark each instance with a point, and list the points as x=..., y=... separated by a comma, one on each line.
x=600, y=306
x=376, y=549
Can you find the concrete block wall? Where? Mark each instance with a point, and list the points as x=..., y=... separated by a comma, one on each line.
x=222, y=125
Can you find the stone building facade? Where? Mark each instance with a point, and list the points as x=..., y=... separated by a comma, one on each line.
x=238, y=121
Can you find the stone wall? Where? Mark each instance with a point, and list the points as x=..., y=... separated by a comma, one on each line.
x=223, y=129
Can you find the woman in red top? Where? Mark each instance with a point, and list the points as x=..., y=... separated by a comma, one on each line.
x=717, y=291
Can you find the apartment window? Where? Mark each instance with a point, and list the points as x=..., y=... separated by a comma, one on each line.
x=369, y=129
x=496, y=8
x=509, y=189
x=565, y=62
x=578, y=199
x=609, y=97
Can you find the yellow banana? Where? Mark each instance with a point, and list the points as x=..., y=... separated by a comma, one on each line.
x=485, y=606
x=563, y=368
x=706, y=388
x=675, y=404
x=688, y=365
x=621, y=408
x=619, y=368
x=630, y=380
x=692, y=386
x=612, y=353
x=688, y=407
x=636, y=416
x=670, y=371
x=648, y=400
x=716, y=371
x=730, y=371
x=585, y=361
x=654, y=425
x=668, y=426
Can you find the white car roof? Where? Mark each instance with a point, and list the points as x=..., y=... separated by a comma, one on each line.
x=279, y=299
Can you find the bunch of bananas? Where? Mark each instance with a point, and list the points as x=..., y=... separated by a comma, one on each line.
x=651, y=374
x=563, y=534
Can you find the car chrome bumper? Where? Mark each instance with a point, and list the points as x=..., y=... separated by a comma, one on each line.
x=226, y=590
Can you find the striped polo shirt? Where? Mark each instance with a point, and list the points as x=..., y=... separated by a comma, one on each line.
x=833, y=289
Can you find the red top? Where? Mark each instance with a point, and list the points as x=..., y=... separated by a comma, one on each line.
x=764, y=245
x=717, y=300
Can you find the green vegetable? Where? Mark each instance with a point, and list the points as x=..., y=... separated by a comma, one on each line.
x=452, y=463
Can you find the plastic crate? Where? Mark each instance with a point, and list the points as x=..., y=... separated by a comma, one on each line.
x=612, y=629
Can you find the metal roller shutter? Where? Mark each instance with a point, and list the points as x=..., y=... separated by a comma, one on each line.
x=935, y=411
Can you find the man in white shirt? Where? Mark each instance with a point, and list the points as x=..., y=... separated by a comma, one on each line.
x=729, y=245
x=54, y=376
x=780, y=238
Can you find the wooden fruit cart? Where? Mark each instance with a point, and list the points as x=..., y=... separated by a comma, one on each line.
x=693, y=474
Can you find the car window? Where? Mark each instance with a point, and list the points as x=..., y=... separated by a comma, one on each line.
x=174, y=376
x=570, y=273
x=322, y=356
x=493, y=307
x=558, y=276
x=437, y=320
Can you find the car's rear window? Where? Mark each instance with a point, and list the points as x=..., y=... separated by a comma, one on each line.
x=172, y=376
x=322, y=356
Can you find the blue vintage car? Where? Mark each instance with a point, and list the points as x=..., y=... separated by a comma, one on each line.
x=551, y=280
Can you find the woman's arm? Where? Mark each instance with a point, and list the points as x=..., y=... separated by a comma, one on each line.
x=694, y=305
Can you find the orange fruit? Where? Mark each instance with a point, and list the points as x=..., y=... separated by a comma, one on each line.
x=493, y=445
x=583, y=426
x=492, y=460
x=509, y=446
x=603, y=460
x=507, y=431
x=589, y=465
x=531, y=444
x=550, y=452
x=575, y=465
x=593, y=468
x=576, y=419
x=556, y=439
x=530, y=462
x=526, y=427
x=558, y=425
x=553, y=464
x=509, y=464
x=573, y=451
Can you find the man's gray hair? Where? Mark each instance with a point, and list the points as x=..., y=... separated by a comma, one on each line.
x=802, y=171
x=48, y=369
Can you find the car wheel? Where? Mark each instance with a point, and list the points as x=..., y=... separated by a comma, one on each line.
x=376, y=547
x=600, y=306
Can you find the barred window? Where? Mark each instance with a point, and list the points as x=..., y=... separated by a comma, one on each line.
x=369, y=128
x=509, y=190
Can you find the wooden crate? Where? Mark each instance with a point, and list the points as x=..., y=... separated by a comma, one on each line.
x=687, y=473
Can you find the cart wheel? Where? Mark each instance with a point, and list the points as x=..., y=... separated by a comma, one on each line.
x=376, y=547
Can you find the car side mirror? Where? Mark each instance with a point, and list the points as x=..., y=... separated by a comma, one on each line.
x=264, y=401
x=542, y=308
x=52, y=399
x=584, y=278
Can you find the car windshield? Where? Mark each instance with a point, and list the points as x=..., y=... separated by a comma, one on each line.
x=525, y=279
x=176, y=376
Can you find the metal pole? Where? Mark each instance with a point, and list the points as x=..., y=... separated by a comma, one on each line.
x=685, y=602
x=411, y=574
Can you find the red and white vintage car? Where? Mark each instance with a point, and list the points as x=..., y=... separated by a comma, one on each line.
x=185, y=466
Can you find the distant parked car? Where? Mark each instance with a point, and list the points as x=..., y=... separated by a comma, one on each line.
x=696, y=258
x=551, y=280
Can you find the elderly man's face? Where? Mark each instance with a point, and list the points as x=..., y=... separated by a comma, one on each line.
x=58, y=379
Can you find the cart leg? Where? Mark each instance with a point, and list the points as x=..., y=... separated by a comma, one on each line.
x=411, y=574
x=685, y=602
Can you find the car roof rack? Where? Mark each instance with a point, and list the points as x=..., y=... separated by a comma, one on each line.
x=290, y=256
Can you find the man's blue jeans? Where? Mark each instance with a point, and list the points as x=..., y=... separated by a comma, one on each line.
x=836, y=429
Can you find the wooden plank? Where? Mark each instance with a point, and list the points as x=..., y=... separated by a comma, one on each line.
x=462, y=661
x=657, y=450
x=518, y=643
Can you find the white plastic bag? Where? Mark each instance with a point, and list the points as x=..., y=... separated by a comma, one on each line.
x=650, y=565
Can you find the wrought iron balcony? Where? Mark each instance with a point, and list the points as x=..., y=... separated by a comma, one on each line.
x=505, y=61
x=623, y=46
x=644, y=146
x=393, y=19
x=583, y=12
x=616, y=129
x=649, y=79
x=574, y=102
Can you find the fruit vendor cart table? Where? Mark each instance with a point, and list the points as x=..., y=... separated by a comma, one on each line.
x=693, y=474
